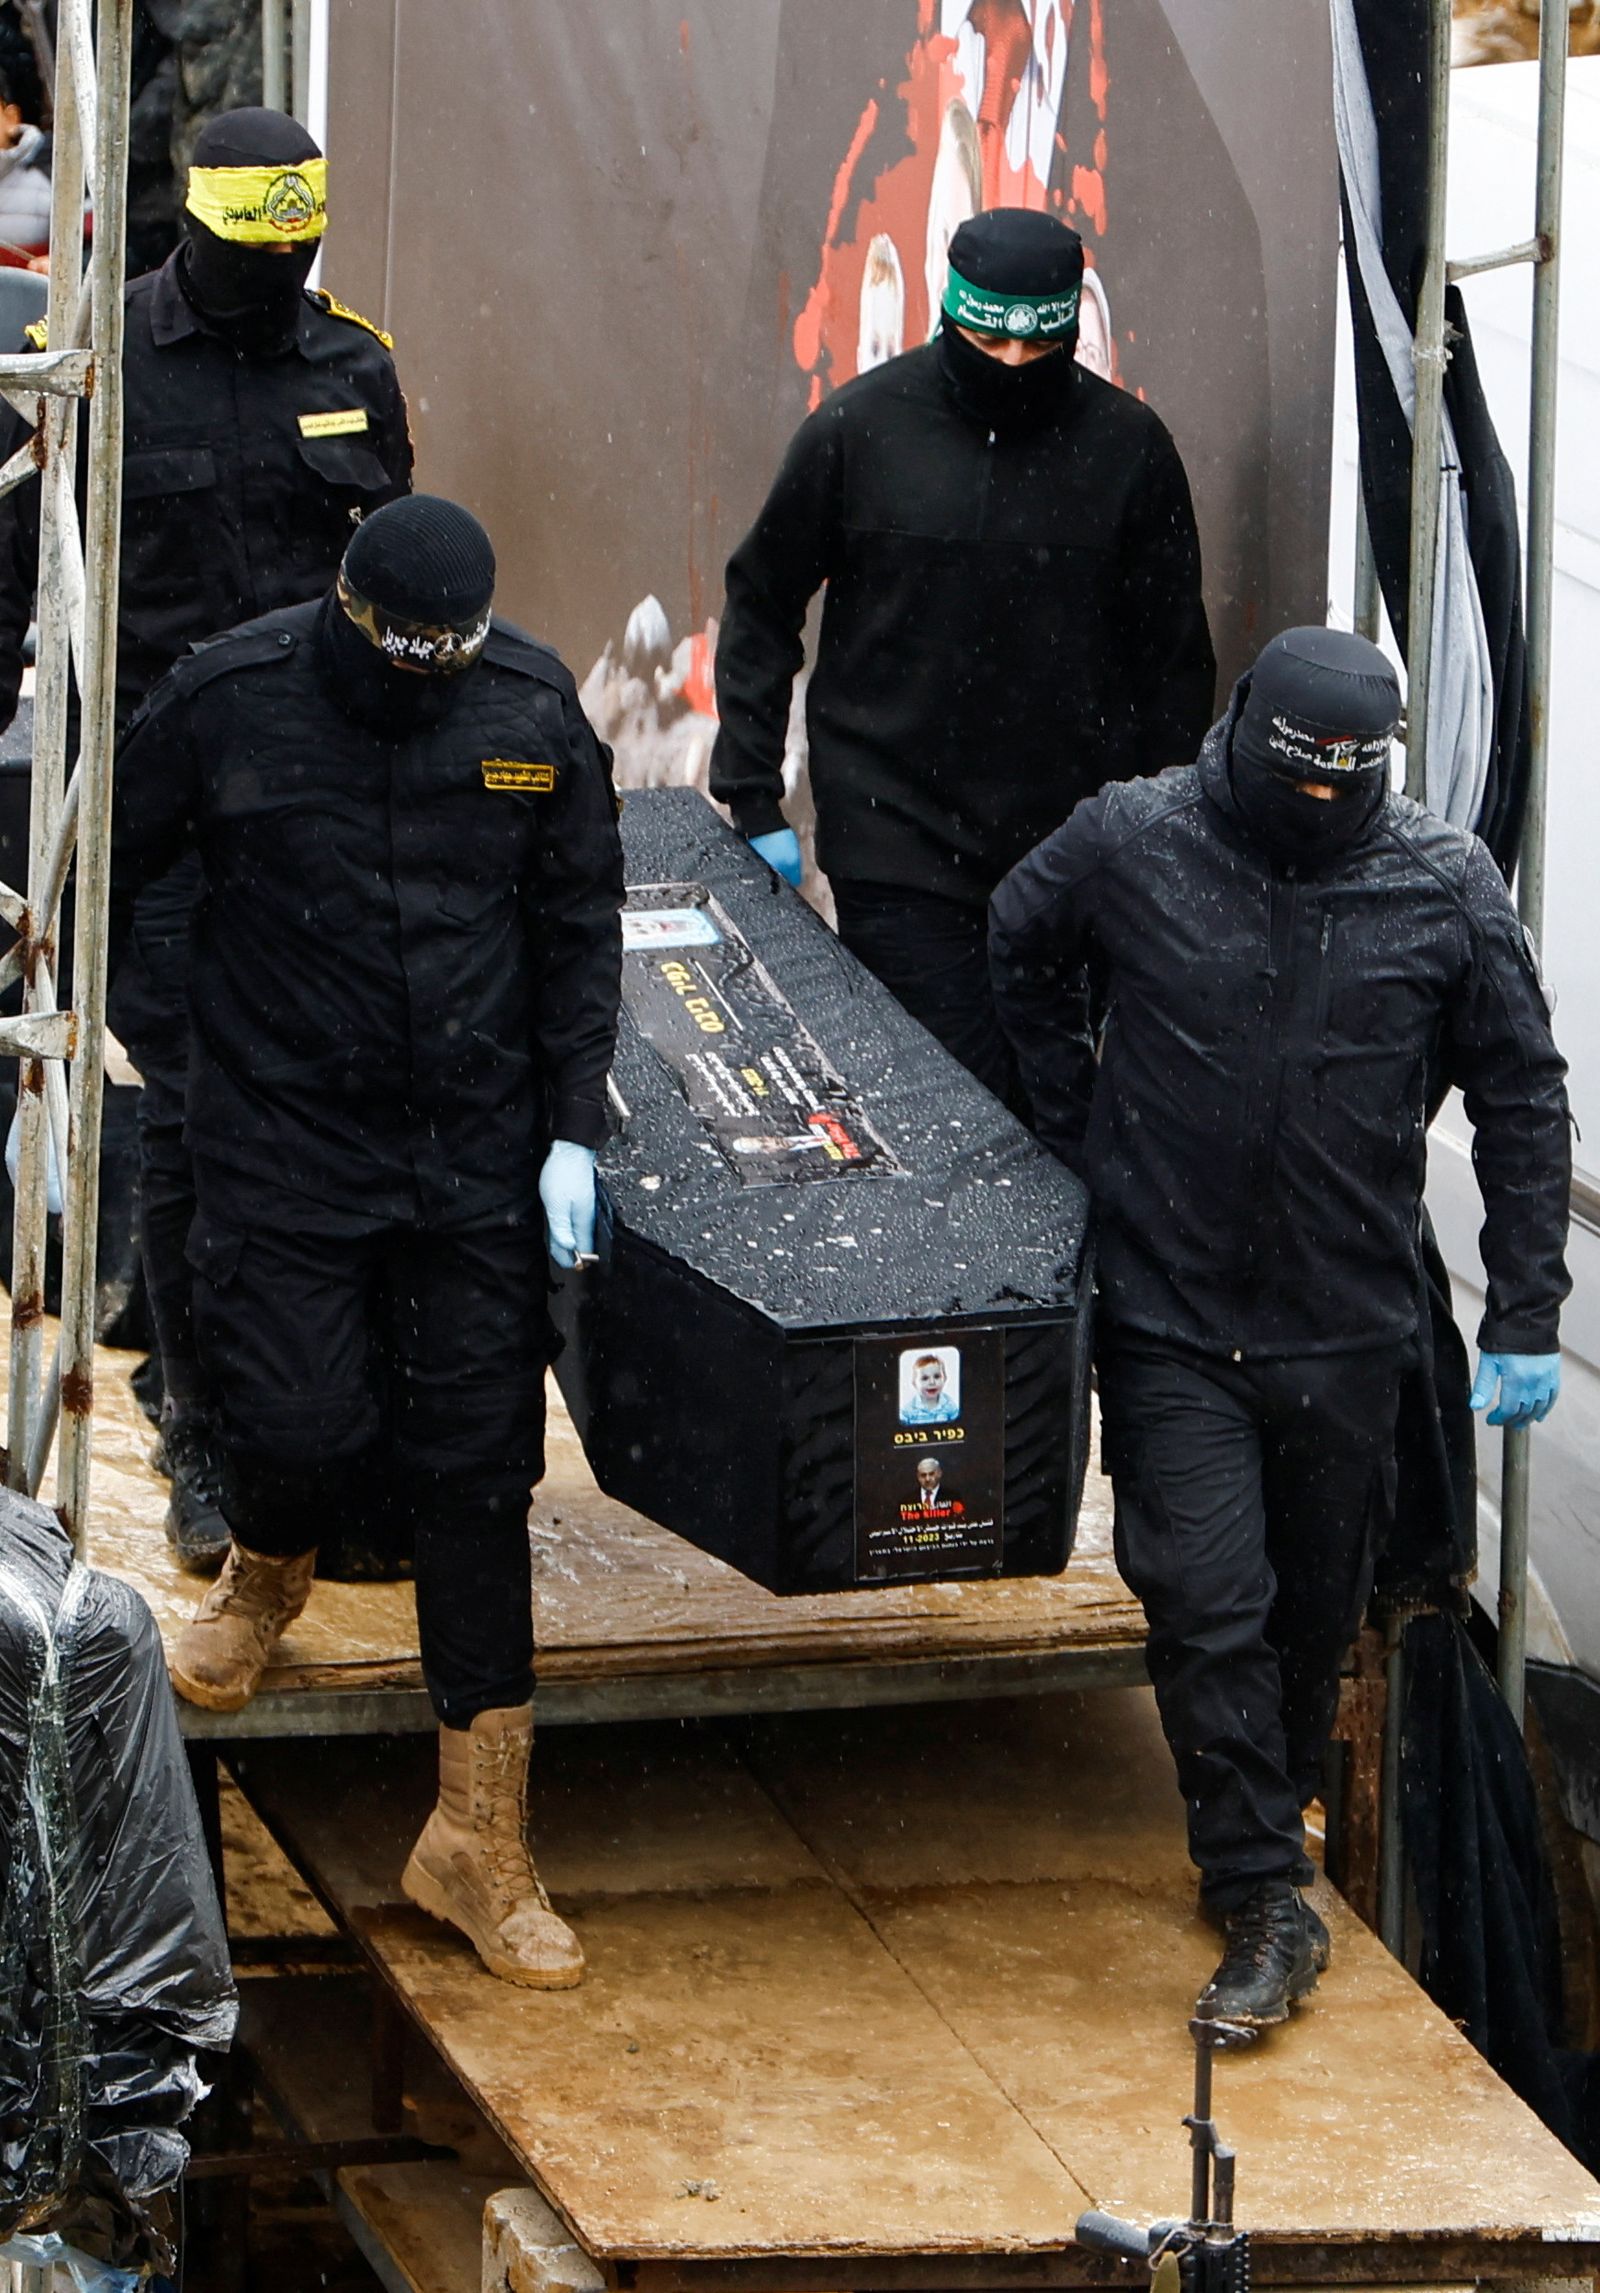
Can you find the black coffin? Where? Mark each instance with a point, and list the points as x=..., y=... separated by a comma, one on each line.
x=839, y=1334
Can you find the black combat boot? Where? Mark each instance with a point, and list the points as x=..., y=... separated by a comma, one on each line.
x=1277, y=1946
x=197, y=1528
x=1321, y=1940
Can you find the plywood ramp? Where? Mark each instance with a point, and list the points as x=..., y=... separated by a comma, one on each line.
x=615, y=1597
x=914, y=1984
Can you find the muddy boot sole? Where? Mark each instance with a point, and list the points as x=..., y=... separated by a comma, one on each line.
x=202, y=1693
x=419, y=1886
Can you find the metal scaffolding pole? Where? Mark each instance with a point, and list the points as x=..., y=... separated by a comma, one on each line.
x=1542, y=251
x=1429, y=358
x=77, y=632
x=274, y=76
x=1545, y=255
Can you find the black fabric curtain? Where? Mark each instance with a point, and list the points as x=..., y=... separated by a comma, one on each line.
x=1491, y=1946
x=1394, y=43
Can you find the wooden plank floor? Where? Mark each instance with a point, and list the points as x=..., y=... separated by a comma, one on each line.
x=421, y=2224
x=866, y=1985
x=618, y=1599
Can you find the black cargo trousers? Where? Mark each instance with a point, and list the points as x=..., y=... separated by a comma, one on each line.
x=1250, y=1497
x=351, y=1355
x=149, y=1010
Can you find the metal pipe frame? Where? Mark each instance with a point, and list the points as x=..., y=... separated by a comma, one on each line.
x=1429, y=357
x=1542, y=251
x=78, y=571
x=1516, y=1482
x=274, y=26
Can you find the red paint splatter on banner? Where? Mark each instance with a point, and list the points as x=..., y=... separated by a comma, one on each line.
x=959, y=108
x=809, y=325
x=699, y=684
x=1089, y=193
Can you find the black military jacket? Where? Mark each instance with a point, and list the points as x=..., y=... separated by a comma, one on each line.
x=406, y=959
x=1009, y=622
x=1255, y=1132
x=241, y=478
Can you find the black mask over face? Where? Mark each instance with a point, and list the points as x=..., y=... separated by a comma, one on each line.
x=1009, y=400
x=251, y=296
x=393, y=702
x=1319, y=706
x=1299, y=830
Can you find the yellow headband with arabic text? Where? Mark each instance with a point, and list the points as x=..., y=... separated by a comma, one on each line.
x=261, y=206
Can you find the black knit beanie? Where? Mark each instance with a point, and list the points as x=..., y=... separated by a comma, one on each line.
x=1322, y=705
x=422, y=559
x=253, y=137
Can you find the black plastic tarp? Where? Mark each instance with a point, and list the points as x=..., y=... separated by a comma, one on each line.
x=114, y=1967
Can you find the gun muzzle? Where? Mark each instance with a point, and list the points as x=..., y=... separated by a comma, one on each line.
x=1104, y=2233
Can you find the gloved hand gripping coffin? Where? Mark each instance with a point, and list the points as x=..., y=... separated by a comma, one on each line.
x=838, y=1335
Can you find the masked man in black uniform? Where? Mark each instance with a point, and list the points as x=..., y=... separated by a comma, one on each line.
x=261, y=422
x=1013, y=617
x=404, y=994
x=1296, y=964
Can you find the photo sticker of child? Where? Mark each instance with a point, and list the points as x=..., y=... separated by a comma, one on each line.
x=930, y=1385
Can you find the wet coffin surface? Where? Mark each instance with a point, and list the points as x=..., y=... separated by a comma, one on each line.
x=911, y=1982
x=615, y=1597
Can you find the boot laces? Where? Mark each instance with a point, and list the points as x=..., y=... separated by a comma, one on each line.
x=508, y=1861
x=254, y=1591
x=1257, y=1931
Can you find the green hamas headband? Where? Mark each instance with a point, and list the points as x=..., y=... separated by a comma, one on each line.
x=1022, y=318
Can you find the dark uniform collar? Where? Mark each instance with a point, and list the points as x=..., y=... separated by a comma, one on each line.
x=173, y=317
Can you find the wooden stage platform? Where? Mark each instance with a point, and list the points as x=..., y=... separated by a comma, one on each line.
x=885, y=1999
x=631, y=1622
x=889, y=1963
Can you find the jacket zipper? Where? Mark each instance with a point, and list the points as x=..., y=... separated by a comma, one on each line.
x=984, y=485
x=1280, y=981
x=1324, y=980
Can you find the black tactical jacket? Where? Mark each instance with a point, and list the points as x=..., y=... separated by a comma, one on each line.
x=241, y=478
x=1255, y=1133
x=406, y=959
x=1010, y=622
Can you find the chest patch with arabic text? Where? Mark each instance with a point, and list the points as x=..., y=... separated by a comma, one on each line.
x=338, y=422
x=527, y=779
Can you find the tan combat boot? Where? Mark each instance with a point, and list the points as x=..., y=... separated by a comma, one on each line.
x=222, y=1651
x=472, y=1866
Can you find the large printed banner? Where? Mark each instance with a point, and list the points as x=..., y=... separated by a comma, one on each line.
x=623, y=249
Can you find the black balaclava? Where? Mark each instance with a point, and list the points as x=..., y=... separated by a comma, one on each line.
x=1319, y=705
x=406, y=618
x=250, y=295
x=1019, y=273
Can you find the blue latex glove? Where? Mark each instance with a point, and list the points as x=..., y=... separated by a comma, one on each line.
x=781, y=852
x=1529, y=1385
x=14, y=1158
x=566, y=1188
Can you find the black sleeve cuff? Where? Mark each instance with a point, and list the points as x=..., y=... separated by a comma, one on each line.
x=1538, y=1336
x=581, y=1119
x=755, y=813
